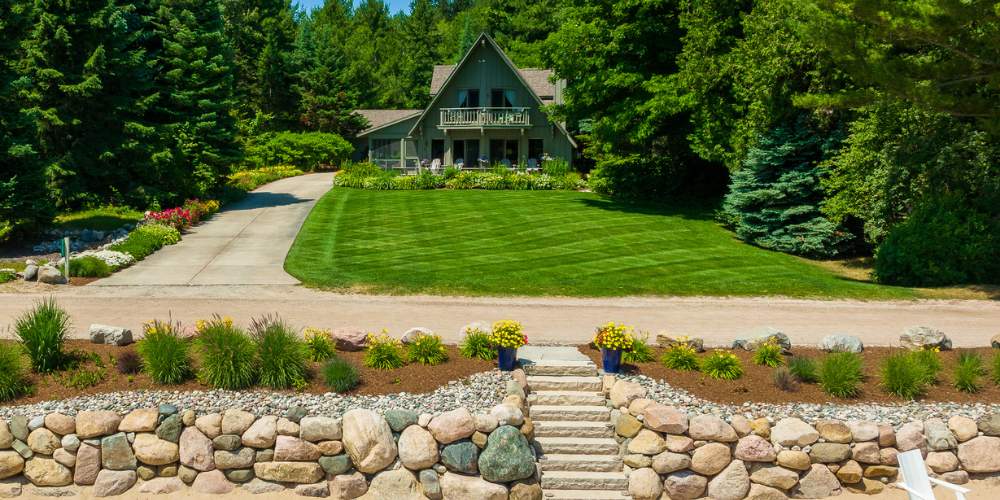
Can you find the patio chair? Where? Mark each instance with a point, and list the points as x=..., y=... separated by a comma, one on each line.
x=459, y=163
x=917, y=483
x=435, y=165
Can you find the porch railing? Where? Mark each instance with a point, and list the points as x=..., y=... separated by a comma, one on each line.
x=485, y=117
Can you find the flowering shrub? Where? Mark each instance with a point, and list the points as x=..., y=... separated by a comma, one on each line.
x=248, y=180
x=201, y=210
x=509, y=334
x=383, y=352
x=319, y=343
x=722, y=365
x=614, y=337
x=177, y=218
x=680, y=356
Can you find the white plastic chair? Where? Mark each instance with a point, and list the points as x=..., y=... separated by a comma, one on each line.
x=435, y=165
x=917, y=483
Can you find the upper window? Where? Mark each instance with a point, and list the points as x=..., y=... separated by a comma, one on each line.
x=468, y=98
x=502, y=98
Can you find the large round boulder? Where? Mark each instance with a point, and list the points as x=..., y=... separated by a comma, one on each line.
x=507, y=456
x=368, y=440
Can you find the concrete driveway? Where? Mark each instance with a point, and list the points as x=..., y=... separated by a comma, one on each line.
x=245, y=244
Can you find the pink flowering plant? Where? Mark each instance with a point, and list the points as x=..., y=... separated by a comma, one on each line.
x=178, y=218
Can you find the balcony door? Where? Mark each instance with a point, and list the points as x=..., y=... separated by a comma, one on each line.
x=502, y=98
x=468, y=98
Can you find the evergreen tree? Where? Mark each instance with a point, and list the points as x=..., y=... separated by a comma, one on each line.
x=417, y=32
x=328, y=99
x=774, y=200
x=89, y=89
x=24, y=201
x=194, y=112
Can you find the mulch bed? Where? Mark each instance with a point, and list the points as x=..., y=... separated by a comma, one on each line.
x=412, y=378
x=756, y=385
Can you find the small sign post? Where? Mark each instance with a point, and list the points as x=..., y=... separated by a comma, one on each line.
x=65, y=253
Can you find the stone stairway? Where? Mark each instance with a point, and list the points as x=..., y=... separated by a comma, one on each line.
x=578, y=454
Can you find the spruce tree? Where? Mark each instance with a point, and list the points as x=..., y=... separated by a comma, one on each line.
x=774, y=200
x=194, y=110
x=24, y=202
x=88, y=89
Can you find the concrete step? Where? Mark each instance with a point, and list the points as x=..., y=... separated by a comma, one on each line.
x=568, y=428
x=577, y=480
x=568, y=383
x=566, y=398
x=586, y=495
x=576, y=446
x=577, y=413
x=557, y=367
x=592, y=463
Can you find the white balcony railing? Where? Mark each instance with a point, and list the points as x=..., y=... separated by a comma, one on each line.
x=485, y=117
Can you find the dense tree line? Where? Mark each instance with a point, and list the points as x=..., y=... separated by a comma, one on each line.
x=831, y=127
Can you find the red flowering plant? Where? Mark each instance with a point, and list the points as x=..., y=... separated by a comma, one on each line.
x=177, y=218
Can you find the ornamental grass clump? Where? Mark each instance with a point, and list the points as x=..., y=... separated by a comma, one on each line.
x=840, y=374
x=614, y=337
x=680, y=356
x=783, y=379
x=42, y=332
x=928, y=358
x=319, y=344
x=227, y=355
x=427, y=349
x=995, y=362
x=968, y=372
x=383, y=353
x=164, y=353
x=804, y=369
x=339, y=375
x=722, y=365
x=903, y=376
x=282, y=356
x=508, y=334
x=640, y=352
x=13, y=380
x=89, y=266
x=476, y=345
x=768, y=354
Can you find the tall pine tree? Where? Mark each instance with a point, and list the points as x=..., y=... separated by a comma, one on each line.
x=24, y=202
x=194, y=112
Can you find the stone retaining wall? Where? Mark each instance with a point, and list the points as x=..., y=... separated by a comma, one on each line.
x=401, y=455
x=667, y=451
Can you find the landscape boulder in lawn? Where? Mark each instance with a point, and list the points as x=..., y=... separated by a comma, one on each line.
x=841, y=343
x=920, y=337
x=752, y=341
x=110, y=335
x=51, y=276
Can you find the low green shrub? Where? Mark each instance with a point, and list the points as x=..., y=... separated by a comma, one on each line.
x=454, y=179
x=248, y=180
x=319, y=344
x=13, y=379
x=339, y=375
x=768, y=354
x=383, y=353
x=89, y=266
x=7, y=275
x=281, y=355
x=680, y=356
x=903, y=376
x=640, y=351
x=164, y=353
x=722, y=365
x=840, y=374
x=83, y=377
x=42, y=332
x=227, y=355
x=996, y=368
x=968, y=372
x=476, y=345
x=303, y=150
x=146, y=239
x=426, y=349
x=804, y=369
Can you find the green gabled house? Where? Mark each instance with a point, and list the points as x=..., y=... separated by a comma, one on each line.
x=483, y=111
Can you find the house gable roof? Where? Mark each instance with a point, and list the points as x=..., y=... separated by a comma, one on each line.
x=537, y=80
x=510, y=64
x=382, y=118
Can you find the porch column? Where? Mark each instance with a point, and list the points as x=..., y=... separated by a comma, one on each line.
x=369, y=149
x=402, y=153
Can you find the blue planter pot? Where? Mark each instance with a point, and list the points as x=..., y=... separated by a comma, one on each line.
x=611, y=360
x=506, y=358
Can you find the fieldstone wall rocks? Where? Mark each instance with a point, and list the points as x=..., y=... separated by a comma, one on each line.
x=709, y=456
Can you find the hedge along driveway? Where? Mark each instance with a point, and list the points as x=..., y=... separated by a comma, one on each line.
x=505, y=243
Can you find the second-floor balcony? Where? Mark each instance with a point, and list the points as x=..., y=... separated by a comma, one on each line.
x=485, y=118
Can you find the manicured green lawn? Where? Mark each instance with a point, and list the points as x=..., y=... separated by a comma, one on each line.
x=101, y=219
x=541, y=243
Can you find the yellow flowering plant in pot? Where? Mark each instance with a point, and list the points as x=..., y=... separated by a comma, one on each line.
x=507, y=336
x=612, y=339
